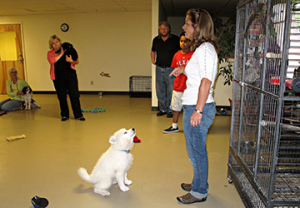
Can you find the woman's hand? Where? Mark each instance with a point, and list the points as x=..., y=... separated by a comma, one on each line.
x=60, y=54
x=177, y=71
x=69, y=59
x=20, y=93
x=196, y=119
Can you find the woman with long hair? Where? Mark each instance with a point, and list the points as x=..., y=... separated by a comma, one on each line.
x=198, y=102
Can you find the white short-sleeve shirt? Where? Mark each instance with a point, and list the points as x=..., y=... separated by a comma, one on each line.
x=203, y=64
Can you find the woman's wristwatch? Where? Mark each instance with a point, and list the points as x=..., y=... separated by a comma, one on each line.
x=198, y=111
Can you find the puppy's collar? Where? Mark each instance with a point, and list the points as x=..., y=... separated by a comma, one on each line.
x=127, y=151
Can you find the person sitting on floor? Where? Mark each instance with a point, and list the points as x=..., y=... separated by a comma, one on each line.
x=14, y=87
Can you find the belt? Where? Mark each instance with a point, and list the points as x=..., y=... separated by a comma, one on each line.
x=164, y=66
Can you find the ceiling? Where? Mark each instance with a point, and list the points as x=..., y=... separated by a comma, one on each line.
x=222, y=8
x=171, y=7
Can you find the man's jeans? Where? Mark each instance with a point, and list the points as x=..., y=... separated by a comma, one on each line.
x=164, y=87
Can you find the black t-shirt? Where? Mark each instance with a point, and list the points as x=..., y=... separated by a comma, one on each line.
x=165, y=50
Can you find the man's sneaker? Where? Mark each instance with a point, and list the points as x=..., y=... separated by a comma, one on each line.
x=186, y=186
x=171, y=130
x=161, y=113
x=189, y=198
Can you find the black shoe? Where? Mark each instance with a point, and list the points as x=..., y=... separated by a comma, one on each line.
x=171, y=130
x=64, y=118
x=81, y=118
x=161, y=113
x=38, y=202
x=186, y=186
x=170, y=115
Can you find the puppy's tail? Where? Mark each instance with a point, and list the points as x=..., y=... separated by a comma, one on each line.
x=82, y=172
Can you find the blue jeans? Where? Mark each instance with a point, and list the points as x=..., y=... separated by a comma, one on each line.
x=9, y=104
x=195, y=139
x=164, y=87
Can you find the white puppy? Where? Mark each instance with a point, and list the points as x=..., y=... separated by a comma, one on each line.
x=113, y=164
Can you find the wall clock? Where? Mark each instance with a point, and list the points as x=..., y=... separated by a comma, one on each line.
x=64, y=27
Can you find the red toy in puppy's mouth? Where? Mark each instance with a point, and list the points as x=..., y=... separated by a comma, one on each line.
x=136, y=140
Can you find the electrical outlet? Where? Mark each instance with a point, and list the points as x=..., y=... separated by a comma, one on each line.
x=92, y=82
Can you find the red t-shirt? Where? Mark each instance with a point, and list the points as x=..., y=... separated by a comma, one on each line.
x=180, y=59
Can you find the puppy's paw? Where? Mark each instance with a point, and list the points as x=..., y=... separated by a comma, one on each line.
x=128, y=182
x=102, y=192
x=124, y=188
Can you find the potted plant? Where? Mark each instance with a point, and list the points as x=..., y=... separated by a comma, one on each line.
x=225, y=32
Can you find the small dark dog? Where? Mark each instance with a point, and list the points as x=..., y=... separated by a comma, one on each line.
x=70, y=50
x=27, y=96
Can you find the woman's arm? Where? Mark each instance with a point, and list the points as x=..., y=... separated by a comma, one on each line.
x=53, y=57
x=22, y=84
x=69, y=59
x=12, y=93
x=177, y=71
x=206, y=64
x=8, y=89
x=202, y=97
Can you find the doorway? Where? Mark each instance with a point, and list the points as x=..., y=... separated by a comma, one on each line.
x=11, y=53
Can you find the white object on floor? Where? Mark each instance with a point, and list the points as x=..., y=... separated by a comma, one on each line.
x=13, y=138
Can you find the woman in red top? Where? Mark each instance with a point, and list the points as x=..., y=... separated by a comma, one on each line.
x=63, y=74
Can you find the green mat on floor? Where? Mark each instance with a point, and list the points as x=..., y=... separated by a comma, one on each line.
x=94, y=110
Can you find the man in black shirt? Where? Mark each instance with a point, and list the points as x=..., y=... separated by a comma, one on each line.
x=164, y=46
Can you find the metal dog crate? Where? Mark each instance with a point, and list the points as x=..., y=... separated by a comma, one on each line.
x=140, y=86
x=264, y=154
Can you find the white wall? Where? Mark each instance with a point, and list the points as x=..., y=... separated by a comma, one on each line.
x=154, y=33
x=116, y=43
x=222, y=92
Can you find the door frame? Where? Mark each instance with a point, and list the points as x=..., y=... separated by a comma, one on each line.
x=24, y=75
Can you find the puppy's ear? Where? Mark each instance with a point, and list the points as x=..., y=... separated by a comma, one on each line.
x=112, y=139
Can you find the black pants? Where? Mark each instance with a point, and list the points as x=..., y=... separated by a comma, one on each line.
x=67, y=83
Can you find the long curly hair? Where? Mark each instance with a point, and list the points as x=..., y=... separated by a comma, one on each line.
x=204, y=28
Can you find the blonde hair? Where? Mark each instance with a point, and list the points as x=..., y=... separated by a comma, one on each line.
x=53, y=37
x=204, y=28
x=12, y=69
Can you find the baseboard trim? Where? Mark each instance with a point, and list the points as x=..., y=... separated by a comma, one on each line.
x=117, y=93
x=87, y=92
x=223, y=106
x=155, y=108
x=44, y=92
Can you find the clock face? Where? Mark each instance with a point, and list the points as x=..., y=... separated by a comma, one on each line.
x=64, y=27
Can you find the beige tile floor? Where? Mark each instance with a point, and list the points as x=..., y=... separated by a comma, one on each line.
x=45, y=163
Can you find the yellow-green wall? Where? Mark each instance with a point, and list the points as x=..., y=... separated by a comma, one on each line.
x=117, y=43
